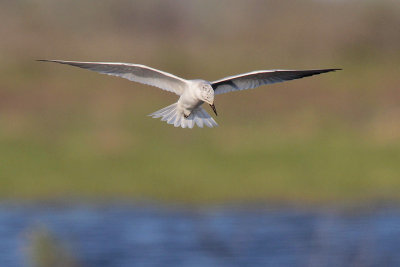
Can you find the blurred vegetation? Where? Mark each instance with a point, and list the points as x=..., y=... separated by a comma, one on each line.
x=47, y=251
x=67, y=132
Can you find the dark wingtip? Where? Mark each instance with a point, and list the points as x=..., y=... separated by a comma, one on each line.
x=325, y=71
x=51, y=60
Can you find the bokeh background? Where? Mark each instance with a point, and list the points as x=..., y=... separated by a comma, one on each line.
x=78, y=146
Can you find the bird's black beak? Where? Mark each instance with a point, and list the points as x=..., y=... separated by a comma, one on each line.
x=214, y=109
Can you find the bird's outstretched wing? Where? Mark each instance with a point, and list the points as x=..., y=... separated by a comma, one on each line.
x=133, y=72
x=254, y=79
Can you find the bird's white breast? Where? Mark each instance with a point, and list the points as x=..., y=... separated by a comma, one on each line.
x=189, y=100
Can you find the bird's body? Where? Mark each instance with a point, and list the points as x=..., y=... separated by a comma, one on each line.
x=187, y=111
x=189, y=100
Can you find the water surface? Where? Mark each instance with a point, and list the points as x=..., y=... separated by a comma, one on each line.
x=145, y=235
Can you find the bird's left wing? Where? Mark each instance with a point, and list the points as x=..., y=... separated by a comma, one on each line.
x=254, y=79
x=133, y=72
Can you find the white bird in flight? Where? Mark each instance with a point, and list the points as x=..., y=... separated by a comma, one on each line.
x=187, y=112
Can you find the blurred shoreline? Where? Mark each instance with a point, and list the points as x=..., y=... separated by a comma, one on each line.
x=123, y=235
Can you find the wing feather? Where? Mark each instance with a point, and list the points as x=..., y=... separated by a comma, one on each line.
x=133, y=72
x=255, y=79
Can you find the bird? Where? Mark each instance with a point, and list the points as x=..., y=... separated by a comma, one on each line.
x=187, y=112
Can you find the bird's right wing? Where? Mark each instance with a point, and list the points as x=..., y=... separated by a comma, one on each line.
x=133, y=72
x=262, y=77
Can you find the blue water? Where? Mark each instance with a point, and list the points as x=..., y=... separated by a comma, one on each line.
x=131, y=235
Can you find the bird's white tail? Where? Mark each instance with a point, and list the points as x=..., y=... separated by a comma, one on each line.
x=172, y=115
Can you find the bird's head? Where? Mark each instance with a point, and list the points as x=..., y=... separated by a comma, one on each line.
x=207, y=95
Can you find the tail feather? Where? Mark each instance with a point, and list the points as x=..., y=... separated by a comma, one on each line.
x=172, y=115
x=178, y=122
x=160, y=112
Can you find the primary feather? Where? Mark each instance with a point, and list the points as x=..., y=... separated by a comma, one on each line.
x=255, y=79
x=133, y=72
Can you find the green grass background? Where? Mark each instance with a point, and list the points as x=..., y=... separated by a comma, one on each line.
x=70, y=133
